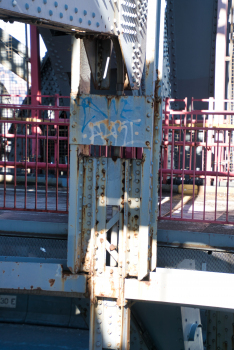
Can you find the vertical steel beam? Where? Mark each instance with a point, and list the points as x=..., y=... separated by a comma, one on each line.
x=74, y=194
x=220, y=54
x=143, y=241
x=74, y=218
x=157, y=132
x=35, y=64
x=35, y=79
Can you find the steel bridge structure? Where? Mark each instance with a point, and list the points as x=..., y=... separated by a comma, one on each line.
x=115, y=148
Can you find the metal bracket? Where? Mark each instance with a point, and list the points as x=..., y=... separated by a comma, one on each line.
x=192, y=331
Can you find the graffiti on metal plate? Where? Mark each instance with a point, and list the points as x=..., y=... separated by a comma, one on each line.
x=118, y=121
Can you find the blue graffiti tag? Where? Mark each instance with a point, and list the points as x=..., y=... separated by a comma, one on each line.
x=88, y=104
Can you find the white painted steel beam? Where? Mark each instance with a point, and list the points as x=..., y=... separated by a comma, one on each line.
x=185, y=288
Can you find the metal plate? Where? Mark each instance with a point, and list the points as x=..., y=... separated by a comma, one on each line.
x=133, y=27
x=92, y=15
x=127, y=19
x=8, y=301
x=111, y=120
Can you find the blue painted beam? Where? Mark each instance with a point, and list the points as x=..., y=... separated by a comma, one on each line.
x=41, y=277
x=56, y=228
x=196, y=240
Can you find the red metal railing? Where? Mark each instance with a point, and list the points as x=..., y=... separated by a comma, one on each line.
x=197, y=152
x=34, y=151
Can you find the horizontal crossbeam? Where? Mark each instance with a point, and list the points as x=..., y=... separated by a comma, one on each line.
x=40, y=277
x=185, y=288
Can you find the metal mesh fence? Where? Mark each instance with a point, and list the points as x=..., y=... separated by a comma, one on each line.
x=33, y=247
x=204, y=260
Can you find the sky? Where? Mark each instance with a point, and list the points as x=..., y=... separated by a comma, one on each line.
x=17, y=30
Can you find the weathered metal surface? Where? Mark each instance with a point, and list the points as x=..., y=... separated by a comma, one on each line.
x=41, y=277
x=107, y=325
x=190, y=317
x=183, y=287
x=132, y=26
x=99, y=54
x=89, y=15
x=196, y=240
x=74, y=220
x=33, y=227
x=134, y=204
x=220, y=333
x=125, y=19
x=124, y=121
x=107, y=284
x=144, y=223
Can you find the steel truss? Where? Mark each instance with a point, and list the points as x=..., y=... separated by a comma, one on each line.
x=113, y=202
x=112, y=230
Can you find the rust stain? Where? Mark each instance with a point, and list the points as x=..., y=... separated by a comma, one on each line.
x=3, y=271
x=51, y=282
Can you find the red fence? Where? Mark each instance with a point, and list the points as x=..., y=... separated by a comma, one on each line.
x=34, y=150
x=197, y=152
x=196, y=155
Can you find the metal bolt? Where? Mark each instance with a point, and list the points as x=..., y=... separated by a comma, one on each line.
x=73, y=126
x=148, y=128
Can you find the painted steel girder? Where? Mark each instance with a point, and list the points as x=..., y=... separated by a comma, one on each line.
x=200, y=289
x=127, y=19
x=39, y=277
x=99, y=186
